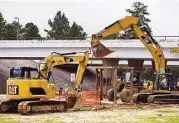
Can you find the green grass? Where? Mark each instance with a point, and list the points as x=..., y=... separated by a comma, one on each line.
x=159, y=119
x=173, y=119
x=168, y=111
x=165, y=115
x=149, y=119
x=3, y=119
x=162, y=115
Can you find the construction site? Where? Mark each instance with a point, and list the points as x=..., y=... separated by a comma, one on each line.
x=88, y=84
x=33, y=91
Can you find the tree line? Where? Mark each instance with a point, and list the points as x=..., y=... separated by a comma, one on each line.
x=60, y=27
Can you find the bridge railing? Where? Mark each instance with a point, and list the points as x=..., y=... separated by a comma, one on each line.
x=82, y=43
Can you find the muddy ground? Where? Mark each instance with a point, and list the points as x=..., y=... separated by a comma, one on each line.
x=105, y=114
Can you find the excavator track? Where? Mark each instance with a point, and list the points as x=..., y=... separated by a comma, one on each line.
x=164, y=99
x=10, y=105
x=42, y=106
x=140, y=97
x=156, y=98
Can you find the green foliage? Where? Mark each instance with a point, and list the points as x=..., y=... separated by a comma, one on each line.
x=174, y=71
x=77, y=31
x=2, y=26
x=139, y=10
x=60, y=28
x=11, y=30
x=30, y=31
x=148, y=74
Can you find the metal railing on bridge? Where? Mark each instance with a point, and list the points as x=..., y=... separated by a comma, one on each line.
x=163, y=40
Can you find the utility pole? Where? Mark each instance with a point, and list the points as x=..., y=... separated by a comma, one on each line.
x=17, y=27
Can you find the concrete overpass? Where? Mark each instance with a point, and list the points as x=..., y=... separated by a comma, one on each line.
x=124, y=49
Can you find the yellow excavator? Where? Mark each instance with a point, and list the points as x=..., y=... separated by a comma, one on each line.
x=163, y=90
x=29, y=90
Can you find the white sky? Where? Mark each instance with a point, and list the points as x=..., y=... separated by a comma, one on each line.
x=92, y=15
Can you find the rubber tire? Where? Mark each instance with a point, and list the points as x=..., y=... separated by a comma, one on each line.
x=125, y=95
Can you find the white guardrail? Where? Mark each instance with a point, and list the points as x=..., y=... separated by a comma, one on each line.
x=83, y=43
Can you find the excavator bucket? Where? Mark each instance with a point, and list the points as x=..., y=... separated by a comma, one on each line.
x=71, y=101
x=74, y=100
x=100, y=50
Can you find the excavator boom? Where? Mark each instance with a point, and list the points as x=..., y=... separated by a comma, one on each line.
x=129, y=22
x=59, y=59
x=117, y=26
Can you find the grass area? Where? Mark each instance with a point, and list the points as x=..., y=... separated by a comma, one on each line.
x=165, y=115
x=114, y=115
x=159, y=119
x=3, y=119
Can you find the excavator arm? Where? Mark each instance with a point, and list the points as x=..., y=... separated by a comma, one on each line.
x=59, y=59
x=80, y=71
x=118, y=26
x=153, y=47
x=130, y=22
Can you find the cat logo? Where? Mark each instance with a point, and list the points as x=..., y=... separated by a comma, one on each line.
x=13, y=89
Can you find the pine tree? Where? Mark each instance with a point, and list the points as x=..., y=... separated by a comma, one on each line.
x=76, y=32
x=59, y=27
x=30, y=32
x=11, y=30
x=139, y=10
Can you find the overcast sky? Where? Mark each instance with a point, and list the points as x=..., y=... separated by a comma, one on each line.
x=92, y=15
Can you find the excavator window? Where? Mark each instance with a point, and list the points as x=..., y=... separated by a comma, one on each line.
x=23, y=72
x=15, y=73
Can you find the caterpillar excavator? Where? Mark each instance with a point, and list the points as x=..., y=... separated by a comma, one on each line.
x=163, y=89
x=29, y=90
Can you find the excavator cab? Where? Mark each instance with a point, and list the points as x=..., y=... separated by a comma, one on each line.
x=137, y=79
x=24, y=83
